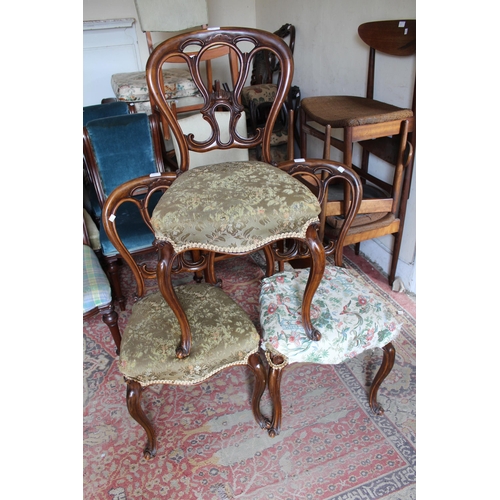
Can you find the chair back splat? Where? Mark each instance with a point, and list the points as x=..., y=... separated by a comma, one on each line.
x=244, y=46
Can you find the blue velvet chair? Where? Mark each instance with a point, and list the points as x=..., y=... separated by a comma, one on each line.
x=90, y=113
x=117, y=149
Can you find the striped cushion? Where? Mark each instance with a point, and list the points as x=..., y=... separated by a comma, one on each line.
x=96, y=289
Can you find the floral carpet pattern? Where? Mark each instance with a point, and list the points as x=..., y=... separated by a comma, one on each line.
x=331, y=447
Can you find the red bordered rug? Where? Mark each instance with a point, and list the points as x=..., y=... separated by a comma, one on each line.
x=209, y=446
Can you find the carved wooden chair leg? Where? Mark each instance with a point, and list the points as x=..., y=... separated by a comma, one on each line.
x=110, y=318
x=276, y=364
x=166, y=258
x=317, y=269
x=270, y=260
x=134, y=394
x=255, y=363
x=384, y=370
x=112, y=270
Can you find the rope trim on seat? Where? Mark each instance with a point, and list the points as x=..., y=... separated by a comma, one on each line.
x=194, y=382
x=239, y=249
x=269, y=351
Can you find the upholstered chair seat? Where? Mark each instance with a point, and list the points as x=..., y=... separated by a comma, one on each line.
x=132, y=87
x=224, y=336
x=233, y=207
x=258, y=94
x=351, y=318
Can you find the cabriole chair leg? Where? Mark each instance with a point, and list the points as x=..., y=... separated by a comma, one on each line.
x=384, y=370
x=255, y=363
x=134, y=394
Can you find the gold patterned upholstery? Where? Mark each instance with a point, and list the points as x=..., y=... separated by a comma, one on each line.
x=234, y=207
x=224, y=336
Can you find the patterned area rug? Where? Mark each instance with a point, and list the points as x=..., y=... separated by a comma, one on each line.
x=209, y=447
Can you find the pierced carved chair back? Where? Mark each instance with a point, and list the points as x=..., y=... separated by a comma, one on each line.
x=244, y=44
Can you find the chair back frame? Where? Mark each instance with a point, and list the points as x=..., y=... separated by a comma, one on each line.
x=395, y=38
x=219, y=99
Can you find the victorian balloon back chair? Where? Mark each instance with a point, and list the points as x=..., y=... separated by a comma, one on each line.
x=382, y=129
x=185, y=334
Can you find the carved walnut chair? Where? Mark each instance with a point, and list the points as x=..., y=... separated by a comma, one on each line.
x=380, y=128
x=223, y=334
x=349, y=316
x=229, y=208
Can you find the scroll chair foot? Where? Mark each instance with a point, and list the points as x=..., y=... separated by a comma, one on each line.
x=384, y=370
x=134, y=394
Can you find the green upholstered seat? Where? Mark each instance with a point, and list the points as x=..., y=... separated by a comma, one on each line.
x=223, y=335
x=233, y=207
x=350, y=317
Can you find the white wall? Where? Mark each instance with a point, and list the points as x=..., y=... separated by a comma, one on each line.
x=329, y=59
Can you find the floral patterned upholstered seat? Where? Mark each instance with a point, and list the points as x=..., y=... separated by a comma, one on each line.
x=233, y=207
x=264, y=92
x=132, y=87
x=224, y=336
x=350, y=317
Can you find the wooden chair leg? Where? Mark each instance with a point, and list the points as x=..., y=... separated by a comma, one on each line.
x=110, y=318
x=112, y=271
x=255, y=363
x=166, y=259
x=276, y=365
x=317, y=269
x=384, y=370
x=134, y=394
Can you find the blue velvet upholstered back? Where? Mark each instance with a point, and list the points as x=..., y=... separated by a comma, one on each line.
x=123, y=148
x=103, y=110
